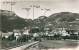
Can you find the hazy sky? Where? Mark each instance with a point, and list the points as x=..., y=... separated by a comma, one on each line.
x=54, y=6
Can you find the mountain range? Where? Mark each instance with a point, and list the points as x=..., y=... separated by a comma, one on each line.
x=9, y=21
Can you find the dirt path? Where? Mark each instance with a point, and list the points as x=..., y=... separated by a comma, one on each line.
x=24, y=46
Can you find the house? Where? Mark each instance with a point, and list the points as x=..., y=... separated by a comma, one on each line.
x=17, y=33
x=6, y=35
x=26, y=32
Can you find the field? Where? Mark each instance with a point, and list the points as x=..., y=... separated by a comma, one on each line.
x=11, y=44
x=55, y=44
x=59, y=44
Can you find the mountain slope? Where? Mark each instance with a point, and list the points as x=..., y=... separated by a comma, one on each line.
x=60, y=20
x=9, y=21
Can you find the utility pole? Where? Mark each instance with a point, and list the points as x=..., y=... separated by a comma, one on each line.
x=33, y=8
x=10, y=3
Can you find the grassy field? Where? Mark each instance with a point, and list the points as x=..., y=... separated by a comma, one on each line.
x=58, y=44
x=46, y=44
x=11, y=44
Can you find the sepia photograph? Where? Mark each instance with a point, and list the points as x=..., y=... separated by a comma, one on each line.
x=39, y=24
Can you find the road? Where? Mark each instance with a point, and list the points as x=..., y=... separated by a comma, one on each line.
x=24, y=46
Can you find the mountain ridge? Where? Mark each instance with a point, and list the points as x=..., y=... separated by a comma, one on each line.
x=9, y=21
x=57, y=20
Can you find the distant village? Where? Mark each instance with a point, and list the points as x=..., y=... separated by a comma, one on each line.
x=34, y=34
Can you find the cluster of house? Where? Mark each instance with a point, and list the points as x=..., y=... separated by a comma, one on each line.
x=62, y=31
x=17, y=33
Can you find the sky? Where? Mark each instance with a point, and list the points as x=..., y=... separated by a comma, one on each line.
x=55, y=6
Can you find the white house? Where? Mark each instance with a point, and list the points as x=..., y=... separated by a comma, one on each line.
x=26, y=32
